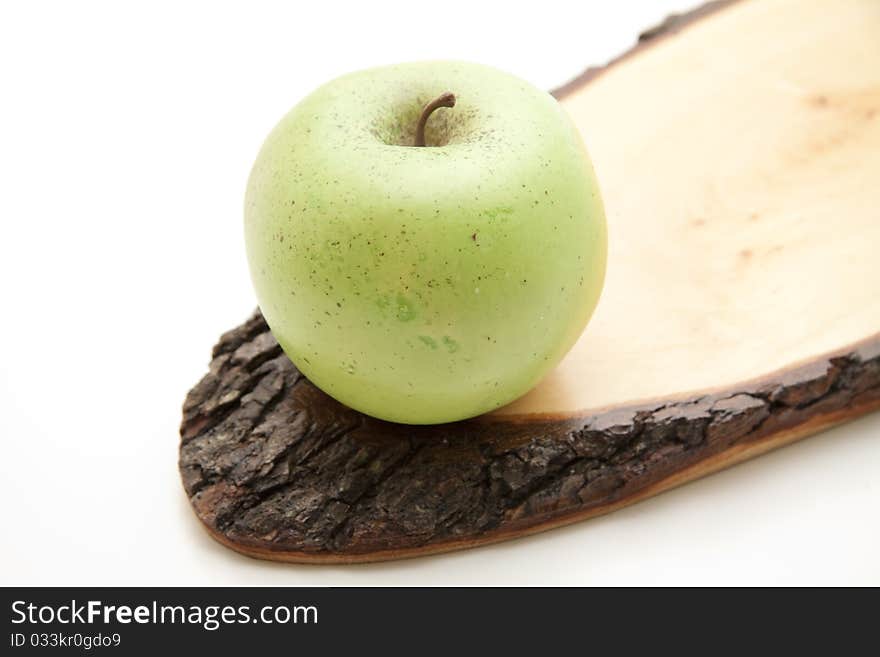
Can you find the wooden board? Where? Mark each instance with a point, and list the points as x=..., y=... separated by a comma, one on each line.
x=738, y=150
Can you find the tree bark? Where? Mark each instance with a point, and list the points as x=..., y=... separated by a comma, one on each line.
x=277, y=469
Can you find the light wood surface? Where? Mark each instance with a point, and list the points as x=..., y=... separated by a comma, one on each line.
x=740, y=166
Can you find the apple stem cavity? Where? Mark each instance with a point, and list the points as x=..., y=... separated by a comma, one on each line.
x=443, y=100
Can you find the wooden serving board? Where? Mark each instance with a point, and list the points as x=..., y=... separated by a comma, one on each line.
x=738, y=150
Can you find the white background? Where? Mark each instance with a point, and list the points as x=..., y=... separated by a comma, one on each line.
x=126, y=136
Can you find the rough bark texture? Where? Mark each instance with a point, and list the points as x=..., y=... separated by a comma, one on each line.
x=273, y=466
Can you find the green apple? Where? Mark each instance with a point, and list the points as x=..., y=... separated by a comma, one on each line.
x=425, y=284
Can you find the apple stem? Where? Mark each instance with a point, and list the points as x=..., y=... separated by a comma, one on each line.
x=443, y=100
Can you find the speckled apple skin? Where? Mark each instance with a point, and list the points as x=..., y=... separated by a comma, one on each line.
x=425, y=285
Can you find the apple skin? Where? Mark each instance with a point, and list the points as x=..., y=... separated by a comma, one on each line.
x=425, y=284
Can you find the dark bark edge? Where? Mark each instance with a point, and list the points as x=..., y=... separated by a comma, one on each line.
x=276, y=468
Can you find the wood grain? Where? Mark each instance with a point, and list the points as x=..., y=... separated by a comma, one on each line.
x=740, y=182
x=741, y=313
